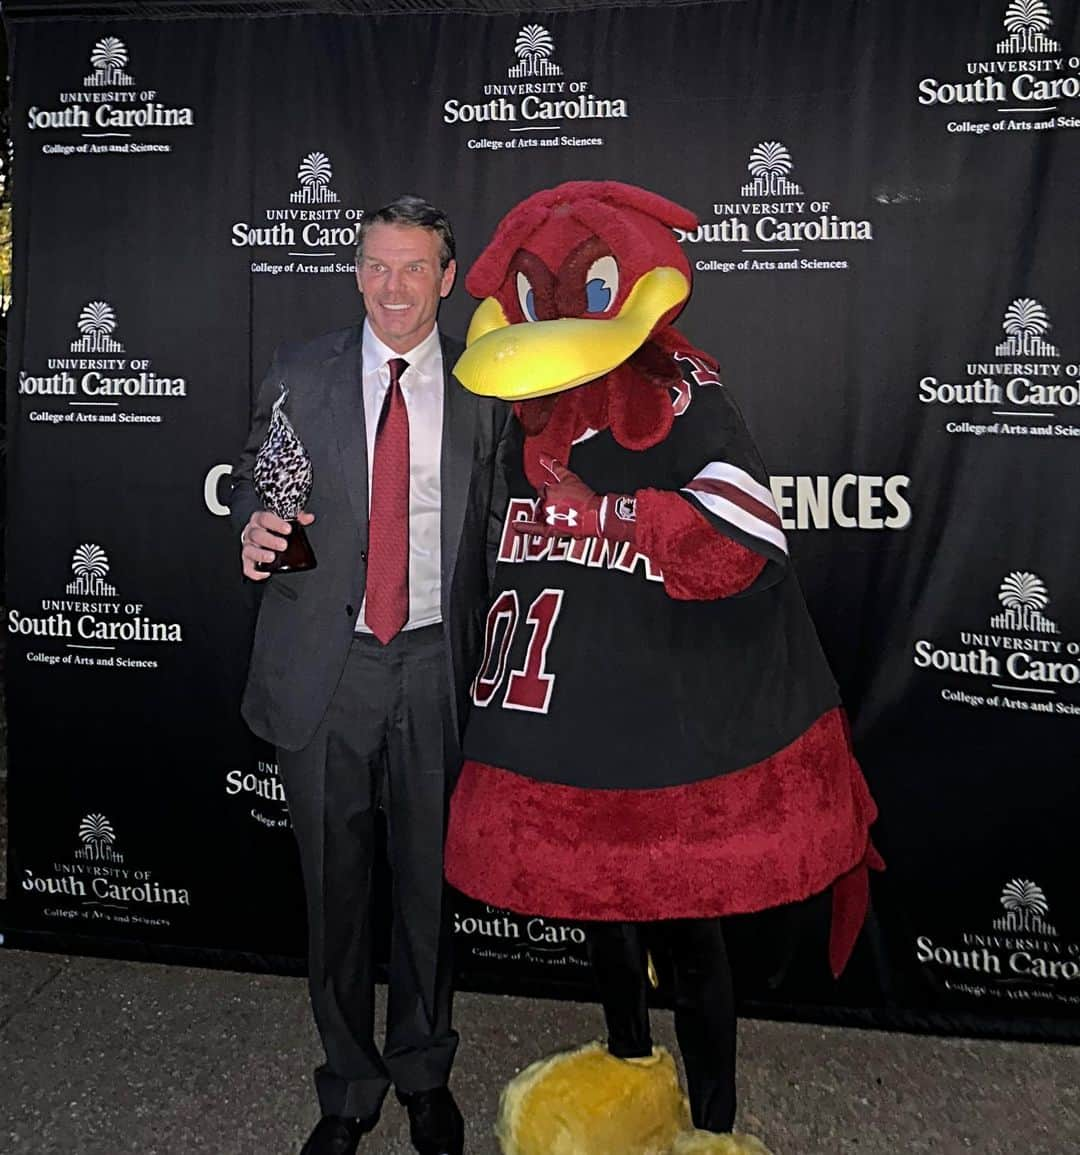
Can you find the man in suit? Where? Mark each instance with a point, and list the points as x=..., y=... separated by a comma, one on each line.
x=361, y=667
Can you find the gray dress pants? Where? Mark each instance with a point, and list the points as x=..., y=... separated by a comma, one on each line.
x=386, y=742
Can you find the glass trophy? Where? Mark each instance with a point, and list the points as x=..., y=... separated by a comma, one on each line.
x=283, y=480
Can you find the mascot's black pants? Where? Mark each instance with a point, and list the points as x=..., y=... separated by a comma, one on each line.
x=704, y=1004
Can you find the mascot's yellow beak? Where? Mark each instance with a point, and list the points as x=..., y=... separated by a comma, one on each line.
x=533, y=359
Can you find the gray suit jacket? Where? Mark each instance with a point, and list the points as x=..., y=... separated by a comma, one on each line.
x=306, y=620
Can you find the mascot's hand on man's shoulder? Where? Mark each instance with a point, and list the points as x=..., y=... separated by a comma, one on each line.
x=569, y=508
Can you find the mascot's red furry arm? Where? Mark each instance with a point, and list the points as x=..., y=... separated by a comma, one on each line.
x=644, y=571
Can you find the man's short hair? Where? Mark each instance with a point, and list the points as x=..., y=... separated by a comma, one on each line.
x=417, y=213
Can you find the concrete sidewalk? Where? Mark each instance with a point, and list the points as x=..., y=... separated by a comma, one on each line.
x=105, y=1058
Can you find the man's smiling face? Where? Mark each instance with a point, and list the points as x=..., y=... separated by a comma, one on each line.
x=401, y=280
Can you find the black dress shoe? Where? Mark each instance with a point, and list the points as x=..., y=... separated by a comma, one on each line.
x=435, y=1123
x=334, y=1135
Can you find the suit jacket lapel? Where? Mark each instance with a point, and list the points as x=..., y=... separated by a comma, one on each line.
x=345, y=376
x=459, y=424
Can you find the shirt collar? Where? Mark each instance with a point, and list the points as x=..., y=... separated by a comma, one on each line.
x=421, y=357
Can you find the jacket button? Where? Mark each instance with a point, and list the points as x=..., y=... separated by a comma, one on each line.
x=349, y=611
x=363, y=555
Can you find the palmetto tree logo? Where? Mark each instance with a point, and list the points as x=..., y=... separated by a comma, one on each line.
x=109, y=53
x=1024, y=595
x=314, y=176
x=1023, y=895
x=769, y=164
x=1025, y=322
x=1023, y=589
x=1027, y=21
x=98, y=840
x=96, y=828
x=533, y=47
x=1024, y=904
x=96, y=321
x=768, y=158
x=1022, y=15
x=108, y=58
x=315, y=169
x=1025, y=315
x=90, y=565
x=97, y=317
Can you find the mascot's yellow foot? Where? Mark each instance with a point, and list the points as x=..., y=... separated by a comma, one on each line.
x=708, y=1143
x=586, y=1102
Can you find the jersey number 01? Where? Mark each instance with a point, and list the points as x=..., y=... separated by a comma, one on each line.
x=528, y=688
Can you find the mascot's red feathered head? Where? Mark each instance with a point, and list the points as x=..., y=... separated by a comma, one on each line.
x=574, y=283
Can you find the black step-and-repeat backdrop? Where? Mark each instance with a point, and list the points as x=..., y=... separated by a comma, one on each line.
x=886, y=269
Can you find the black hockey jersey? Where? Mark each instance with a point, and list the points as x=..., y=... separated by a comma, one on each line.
x=601, y=671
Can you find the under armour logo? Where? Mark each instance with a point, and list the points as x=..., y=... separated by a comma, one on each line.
x=553, y=517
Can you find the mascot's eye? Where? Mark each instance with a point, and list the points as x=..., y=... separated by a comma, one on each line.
x=601, y=285
x=526, y=297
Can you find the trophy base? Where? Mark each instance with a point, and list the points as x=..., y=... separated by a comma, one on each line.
x=296, y=557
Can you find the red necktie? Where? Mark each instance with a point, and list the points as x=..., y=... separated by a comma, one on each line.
x=387, y=606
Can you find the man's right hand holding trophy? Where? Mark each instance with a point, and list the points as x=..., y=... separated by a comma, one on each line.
x=273, y=541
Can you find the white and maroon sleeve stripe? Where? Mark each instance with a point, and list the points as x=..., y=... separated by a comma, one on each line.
x=733, y=496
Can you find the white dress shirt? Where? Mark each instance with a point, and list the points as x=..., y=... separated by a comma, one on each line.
x=422, y=388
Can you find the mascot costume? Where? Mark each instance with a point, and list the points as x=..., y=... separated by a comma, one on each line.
x=656, y=737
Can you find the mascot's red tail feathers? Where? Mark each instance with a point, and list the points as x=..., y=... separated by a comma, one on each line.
x=850, y=903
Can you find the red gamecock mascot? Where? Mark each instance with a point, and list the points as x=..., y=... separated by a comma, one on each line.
x=656, y=736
